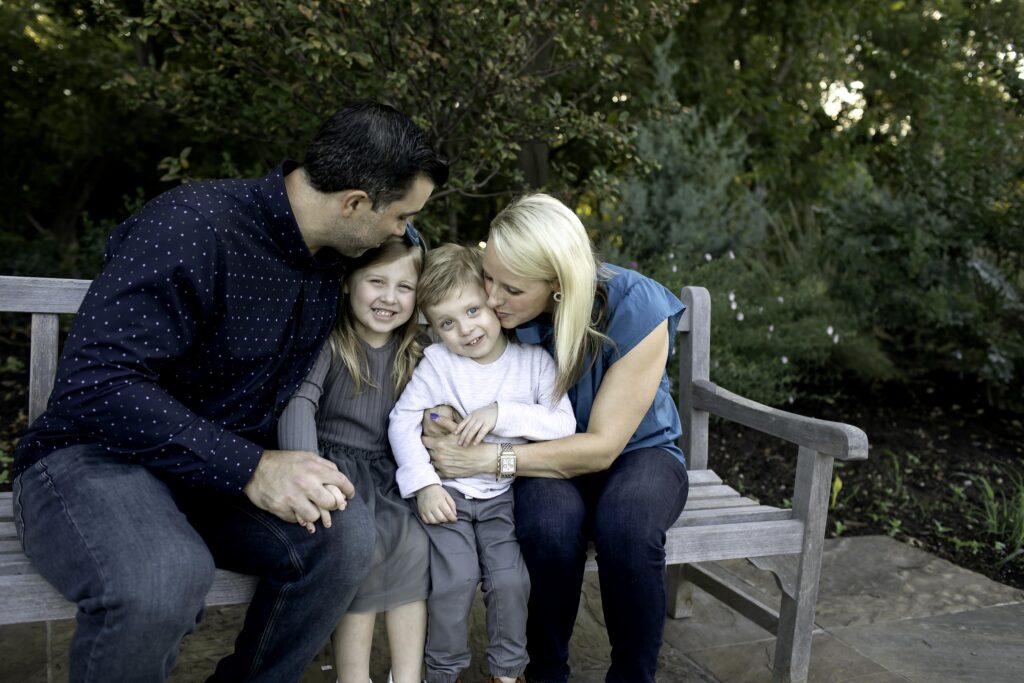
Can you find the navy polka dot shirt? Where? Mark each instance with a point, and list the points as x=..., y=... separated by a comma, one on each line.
x=206, y=316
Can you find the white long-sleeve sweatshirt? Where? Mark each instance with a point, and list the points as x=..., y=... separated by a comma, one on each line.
x=521, y=382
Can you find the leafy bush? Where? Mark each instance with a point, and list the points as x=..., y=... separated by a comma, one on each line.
x=695, y=194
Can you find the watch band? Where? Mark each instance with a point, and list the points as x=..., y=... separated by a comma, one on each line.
x=506, y=462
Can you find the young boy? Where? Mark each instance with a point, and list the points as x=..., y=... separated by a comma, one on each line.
x=505, y=391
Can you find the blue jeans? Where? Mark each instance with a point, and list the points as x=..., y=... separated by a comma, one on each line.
x=626, y=511
x=138, y=558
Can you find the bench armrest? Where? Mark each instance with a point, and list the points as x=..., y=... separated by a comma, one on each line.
x=841, y=441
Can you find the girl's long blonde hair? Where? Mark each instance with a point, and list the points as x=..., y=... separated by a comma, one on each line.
x=539, y=238
x=345, y=342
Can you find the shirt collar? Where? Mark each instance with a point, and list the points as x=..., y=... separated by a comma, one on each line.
x=536, y=331
x=281, y=225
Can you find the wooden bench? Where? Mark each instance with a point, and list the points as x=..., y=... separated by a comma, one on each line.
x=717, y=524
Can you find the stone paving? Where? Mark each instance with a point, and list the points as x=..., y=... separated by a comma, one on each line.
x=886, y=612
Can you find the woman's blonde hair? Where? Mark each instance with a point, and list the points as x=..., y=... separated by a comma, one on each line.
x=345, y=343
x=538, y=237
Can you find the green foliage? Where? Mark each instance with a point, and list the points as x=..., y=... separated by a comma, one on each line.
x=829, y=155
x=65, y=136
x=485, y=80
x=862, y=161
x=695, y=197
x=5, y=468
x=1001, y=513
x=771, y=341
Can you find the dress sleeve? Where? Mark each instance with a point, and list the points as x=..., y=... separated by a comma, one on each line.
x=296, y=428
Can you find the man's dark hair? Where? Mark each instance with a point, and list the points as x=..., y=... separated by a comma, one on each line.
x=371, y=147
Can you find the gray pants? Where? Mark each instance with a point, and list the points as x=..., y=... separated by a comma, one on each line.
x=481, y=545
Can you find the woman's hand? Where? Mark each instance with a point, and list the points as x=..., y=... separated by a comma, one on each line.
x=452, y=460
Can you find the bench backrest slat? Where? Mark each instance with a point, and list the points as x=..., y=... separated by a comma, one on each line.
x=42, y=363
x=694, y=364
x=41, y=295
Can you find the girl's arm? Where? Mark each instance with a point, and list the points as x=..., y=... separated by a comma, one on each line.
x=296, y=428
x=626, y=393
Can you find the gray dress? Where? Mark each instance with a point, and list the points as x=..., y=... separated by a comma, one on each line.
x=325, y=416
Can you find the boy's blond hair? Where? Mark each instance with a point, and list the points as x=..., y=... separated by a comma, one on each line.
x=447, y=270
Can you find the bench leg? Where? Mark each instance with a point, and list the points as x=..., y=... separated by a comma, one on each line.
x=796, y=616
x=680, y=593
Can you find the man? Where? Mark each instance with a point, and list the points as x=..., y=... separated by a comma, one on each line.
x=155, y=461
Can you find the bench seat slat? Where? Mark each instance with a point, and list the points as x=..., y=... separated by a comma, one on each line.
x=732, y=515
x=726, y=541
x=29, y=597
x=703, y=478
x=728, y=502
x=9, y=545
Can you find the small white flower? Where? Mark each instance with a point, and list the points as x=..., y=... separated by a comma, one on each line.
x=771, y=328
x=732, y=296
x=785, y=360
x=671, y=254
x=733, y=305
x=732, y=255
x=829, y=330
x=835, y=338
x=791, y=399
x=781, y=299
x=707, y=257
x=674, y=268
x=739, y=316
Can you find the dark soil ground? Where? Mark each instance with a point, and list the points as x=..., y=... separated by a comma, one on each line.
x=942, y=475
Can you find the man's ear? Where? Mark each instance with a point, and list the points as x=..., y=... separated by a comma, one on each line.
x=352, y=200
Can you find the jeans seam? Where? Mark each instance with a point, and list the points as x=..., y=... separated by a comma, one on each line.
x=257, y=658
x=50, y=484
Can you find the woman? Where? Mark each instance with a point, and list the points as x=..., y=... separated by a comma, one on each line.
x=620, y=481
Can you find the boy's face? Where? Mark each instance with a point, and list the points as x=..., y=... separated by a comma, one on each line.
x=467, y=326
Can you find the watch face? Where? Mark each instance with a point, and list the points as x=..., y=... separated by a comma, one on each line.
x=508, y=465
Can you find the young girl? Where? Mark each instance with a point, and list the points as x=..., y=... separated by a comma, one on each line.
x=341, y=411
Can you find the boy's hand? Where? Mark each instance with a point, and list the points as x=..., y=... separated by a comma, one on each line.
x=435, y=505
x=477, y=425
x=440, y=420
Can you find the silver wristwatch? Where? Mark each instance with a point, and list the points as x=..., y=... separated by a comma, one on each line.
x=506, y=462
